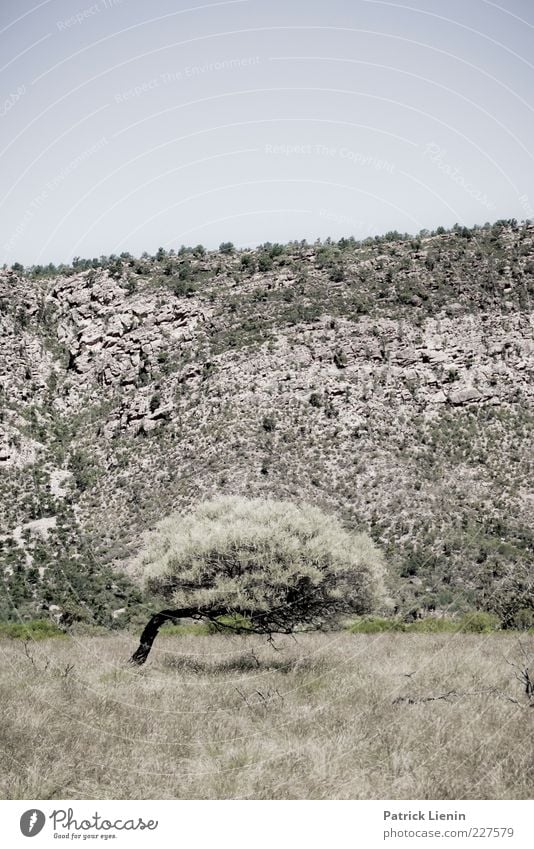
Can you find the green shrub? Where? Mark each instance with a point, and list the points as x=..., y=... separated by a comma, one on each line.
x=35, y=629
x=182, y=288
x=274, y=250
x=523, y=619
x=337, y=274
x=433, y=626
x=474, y=623
x=247, y=263
x=375, y=625
x=479, y=622
x=265, y=262
x=84, y=468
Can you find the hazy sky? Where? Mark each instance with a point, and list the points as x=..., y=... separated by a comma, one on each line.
x=127, y=125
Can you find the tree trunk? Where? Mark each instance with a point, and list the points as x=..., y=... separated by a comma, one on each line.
x=151, y=630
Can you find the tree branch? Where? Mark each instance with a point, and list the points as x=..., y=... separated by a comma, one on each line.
x=260, y=624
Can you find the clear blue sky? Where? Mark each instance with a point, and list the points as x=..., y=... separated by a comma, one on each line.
x=127, y=125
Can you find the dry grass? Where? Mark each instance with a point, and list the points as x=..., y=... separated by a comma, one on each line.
x=230, y=717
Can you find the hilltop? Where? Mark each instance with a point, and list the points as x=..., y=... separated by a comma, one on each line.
x=388, y=381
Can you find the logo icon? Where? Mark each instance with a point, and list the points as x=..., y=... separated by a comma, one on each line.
x=32, y=822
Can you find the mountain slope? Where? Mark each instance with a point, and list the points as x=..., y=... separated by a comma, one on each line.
x=389, y=381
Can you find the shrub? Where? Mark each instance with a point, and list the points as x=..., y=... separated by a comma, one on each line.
x=431, y=625
x=337, y=274
x=340, y=358
x=265, y=262
x=512, y=590
x=269, y=423
x=473, y=623
x=35, y=629
x=84, y=469
x=375, y=625
x=479, y=623
x=523, y=619
x=182, y=288
x=247, y=263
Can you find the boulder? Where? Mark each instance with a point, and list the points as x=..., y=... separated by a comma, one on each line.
x=464, y=396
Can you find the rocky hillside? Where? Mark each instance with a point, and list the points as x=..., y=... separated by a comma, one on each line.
x=390, y=381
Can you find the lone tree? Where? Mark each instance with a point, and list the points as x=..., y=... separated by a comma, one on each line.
x=270, y=566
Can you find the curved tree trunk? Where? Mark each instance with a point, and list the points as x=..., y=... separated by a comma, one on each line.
x=151, y=630
x=155, y=622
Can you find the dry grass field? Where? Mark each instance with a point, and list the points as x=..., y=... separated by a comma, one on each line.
x=320, y=717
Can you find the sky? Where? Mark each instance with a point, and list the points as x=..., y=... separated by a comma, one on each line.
x=126, y=125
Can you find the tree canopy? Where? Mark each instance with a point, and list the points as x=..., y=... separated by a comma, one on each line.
x=274, y=565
